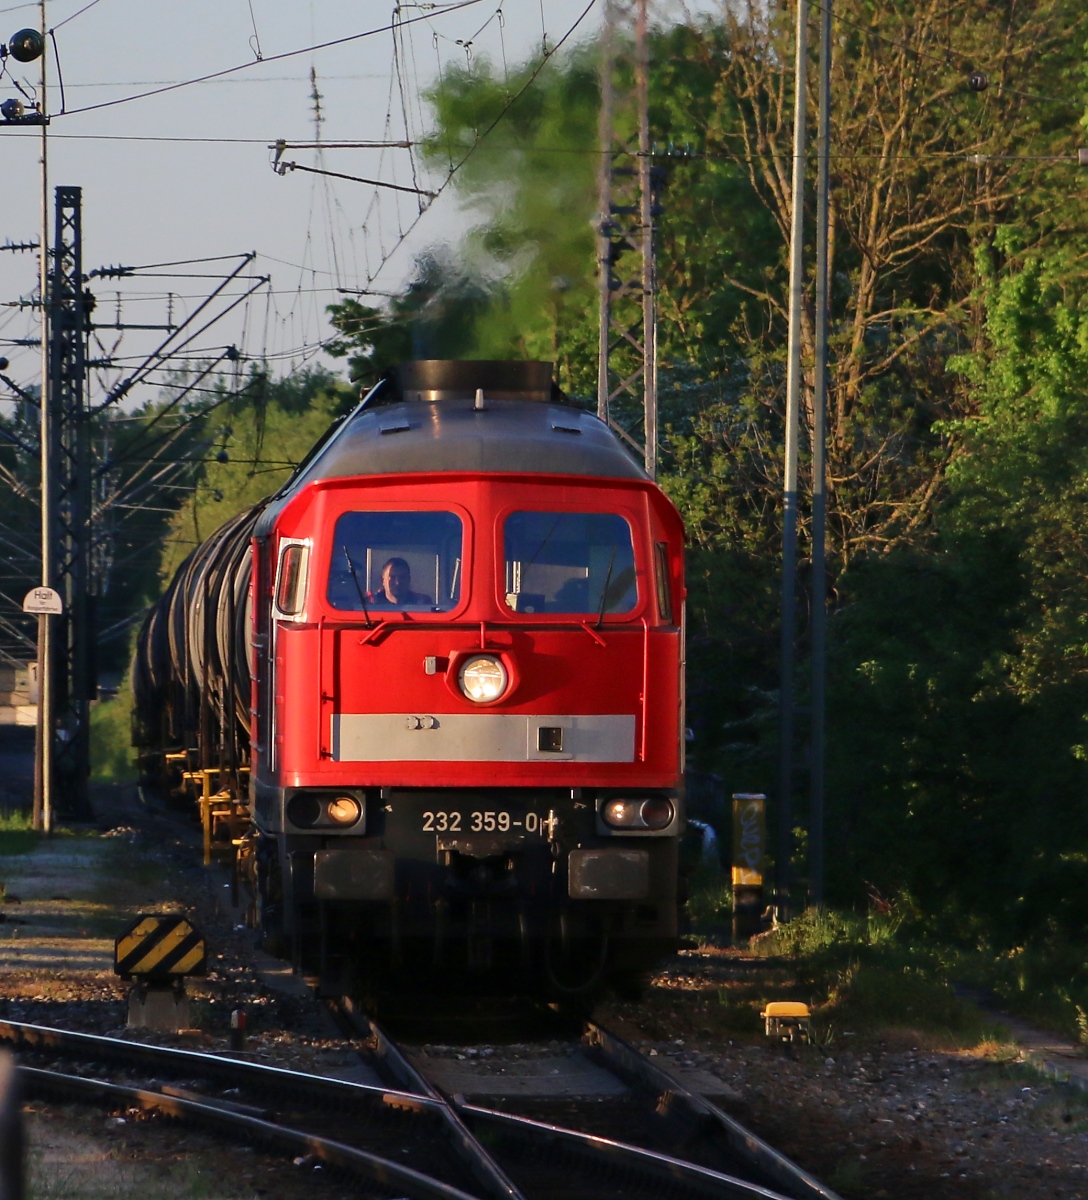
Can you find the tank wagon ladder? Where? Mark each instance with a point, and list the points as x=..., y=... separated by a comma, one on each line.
x=221, y=812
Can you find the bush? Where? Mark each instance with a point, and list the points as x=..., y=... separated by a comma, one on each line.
x=710, y=899
x=112, y=756
x=873, y=970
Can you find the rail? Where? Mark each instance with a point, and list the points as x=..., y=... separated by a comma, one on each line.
x=668, y=1093
x=413, y=1098
x=483, y=1167
x=221, y=1117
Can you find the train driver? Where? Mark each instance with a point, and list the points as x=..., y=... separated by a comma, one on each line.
x=396, y=588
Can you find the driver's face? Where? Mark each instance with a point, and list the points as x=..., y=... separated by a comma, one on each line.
x=396, y=581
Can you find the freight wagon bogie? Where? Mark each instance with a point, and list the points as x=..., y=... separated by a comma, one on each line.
x=443, y=668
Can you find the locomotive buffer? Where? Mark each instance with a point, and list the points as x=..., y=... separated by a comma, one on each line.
x=158, y=951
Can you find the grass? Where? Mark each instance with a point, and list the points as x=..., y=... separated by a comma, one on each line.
x=820, y=930
x=710, y=900
x=17, y=835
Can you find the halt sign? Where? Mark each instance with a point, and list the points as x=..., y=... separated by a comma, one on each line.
x=160, y=947
x=43, y=600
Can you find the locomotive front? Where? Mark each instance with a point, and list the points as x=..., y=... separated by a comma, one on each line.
x=467, y=690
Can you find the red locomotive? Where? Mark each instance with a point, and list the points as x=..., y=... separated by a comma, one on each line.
x=463, y=736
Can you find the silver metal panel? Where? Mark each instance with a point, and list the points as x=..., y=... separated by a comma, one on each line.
x=608, y=874
x=479, y=737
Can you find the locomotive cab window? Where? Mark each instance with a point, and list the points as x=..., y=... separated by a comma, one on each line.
x=569, y=562
x=291, y=579
x=411, y=561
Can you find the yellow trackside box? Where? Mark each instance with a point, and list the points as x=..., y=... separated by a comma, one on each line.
x=787, y=1020
x=159, y=948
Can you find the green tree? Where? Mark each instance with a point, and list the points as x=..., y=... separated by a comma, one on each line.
x=960, y=669
x=1024, y=462
x=264, y=434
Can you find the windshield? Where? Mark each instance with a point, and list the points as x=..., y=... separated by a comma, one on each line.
x=564, y=562
x=396, y=560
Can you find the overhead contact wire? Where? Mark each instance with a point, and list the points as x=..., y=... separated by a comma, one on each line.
x=353, y=37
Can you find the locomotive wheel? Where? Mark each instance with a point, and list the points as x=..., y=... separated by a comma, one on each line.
x=577, y=973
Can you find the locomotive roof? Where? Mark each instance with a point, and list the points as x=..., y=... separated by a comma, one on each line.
x=435, y=416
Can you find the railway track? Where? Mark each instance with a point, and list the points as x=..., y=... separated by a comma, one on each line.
x=456, y=1149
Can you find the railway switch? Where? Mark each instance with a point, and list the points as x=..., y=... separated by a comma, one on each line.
x=787, y=1021
x=158, y=951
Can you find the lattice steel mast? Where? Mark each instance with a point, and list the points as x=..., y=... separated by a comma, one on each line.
x=70, y=453
x=628, y=189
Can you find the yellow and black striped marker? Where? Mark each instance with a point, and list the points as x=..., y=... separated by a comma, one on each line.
x=160, y=946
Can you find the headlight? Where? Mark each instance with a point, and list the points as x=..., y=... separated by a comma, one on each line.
x=483, y=678
x=643, y=813
x=344, y=810
x=313, y=810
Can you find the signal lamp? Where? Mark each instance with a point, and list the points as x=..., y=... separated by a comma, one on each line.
x=312, y=810
x=654, y=812
x=304, y=810
x=12, y=110
x=26, y=45
x=483, y=678
x=344, y=810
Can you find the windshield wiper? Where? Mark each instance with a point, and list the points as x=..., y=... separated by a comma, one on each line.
x=358, y=587
x=604, y=590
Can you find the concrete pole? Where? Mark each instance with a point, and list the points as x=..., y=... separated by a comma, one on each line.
x=43, y=774
x=789, y=523
x=604, y=210
x=819, y=495
x=646, y=204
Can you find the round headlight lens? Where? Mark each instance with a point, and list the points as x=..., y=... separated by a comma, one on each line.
x=483, y=678
x=344, y=810
x=621, y=814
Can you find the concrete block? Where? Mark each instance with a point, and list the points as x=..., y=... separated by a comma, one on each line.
x=152, y=1006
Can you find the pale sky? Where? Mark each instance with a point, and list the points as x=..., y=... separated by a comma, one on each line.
x=186, y=173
